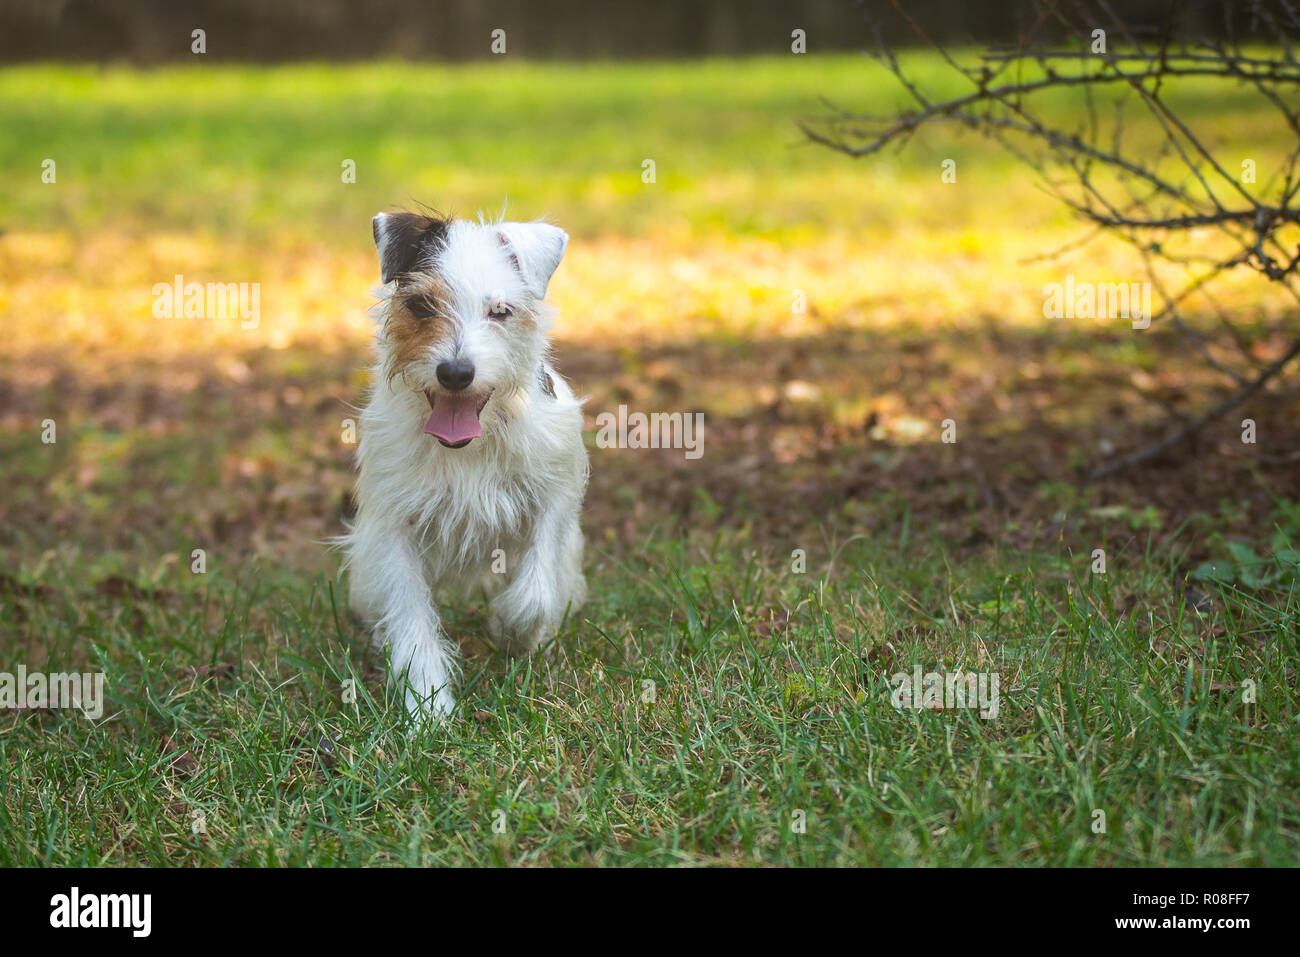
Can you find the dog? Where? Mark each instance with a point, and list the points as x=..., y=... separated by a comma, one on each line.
x=471, y=464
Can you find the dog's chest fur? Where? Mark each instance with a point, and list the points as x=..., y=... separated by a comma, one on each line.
x=472, y=509
x=463, y=505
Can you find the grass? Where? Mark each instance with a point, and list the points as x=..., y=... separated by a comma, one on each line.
x=710, y=696
x=708, y=702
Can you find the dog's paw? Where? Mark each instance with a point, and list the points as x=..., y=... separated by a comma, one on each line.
x=515, y=640
x=538, y=639
x=425, y=709
x=544, y=638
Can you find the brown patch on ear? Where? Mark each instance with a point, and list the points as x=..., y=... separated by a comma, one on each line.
x=403, y=239
x=504, y=240
x=419, y=318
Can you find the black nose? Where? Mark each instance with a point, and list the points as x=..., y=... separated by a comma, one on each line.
x=456, y=374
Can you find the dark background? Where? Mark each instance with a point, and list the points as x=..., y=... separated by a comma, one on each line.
x=155, y=31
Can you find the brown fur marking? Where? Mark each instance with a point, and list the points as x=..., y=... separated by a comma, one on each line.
x=411, y=237
x=503, y=240
x=409, y=337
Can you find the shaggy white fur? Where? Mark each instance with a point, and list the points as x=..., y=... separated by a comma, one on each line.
x=434, y=510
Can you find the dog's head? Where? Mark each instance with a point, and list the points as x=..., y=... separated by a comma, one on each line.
x=466, y=317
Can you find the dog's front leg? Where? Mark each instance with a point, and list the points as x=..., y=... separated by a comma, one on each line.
x=546, y=585
x=390, y=590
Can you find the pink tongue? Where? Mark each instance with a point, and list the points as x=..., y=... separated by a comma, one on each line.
x=454, y=418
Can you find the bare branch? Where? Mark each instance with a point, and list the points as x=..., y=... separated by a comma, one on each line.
x=1164, y=200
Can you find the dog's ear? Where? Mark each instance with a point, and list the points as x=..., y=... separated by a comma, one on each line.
x=536, y=250
x=403, y=238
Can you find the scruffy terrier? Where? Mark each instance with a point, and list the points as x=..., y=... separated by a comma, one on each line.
x=472, y=466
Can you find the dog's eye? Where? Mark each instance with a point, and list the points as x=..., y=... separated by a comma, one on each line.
x=499, y=311
x=421, y=307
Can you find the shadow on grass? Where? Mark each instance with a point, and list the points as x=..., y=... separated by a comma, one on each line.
x=843, y=430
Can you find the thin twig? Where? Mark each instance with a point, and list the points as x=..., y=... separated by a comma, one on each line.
x=1195, y=425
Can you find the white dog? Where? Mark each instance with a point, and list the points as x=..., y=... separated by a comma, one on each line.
x=472, y=466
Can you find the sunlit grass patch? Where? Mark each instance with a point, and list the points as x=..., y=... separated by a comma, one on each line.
x=233, y=174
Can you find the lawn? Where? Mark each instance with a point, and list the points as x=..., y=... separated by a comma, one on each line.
x=725, y=695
